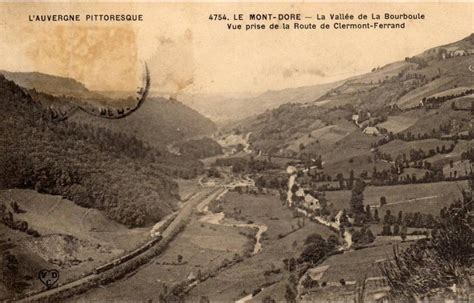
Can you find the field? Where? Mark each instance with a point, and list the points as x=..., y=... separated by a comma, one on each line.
x=84, y=223
x=425, y=198
x=459, y=168
x=432, y=119
x=464, y=102
x=187, y=188
x=354, y=264
x=399, y=147
x=418, y=172
x=351, y=266
x=355, y=145
x=321, y=136
x=388, y=70
x=248, y=275
x=204, y=246
x=398, y=124
x=357, y=163
x=73, y=239
x=452, y=91
x=456, y=66
x=266, y=209
x=444, y=159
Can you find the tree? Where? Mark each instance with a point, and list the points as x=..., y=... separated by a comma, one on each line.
x=350, y=183
x=15, y=207
x=313, y=238
x=357, y=201
x=179, y=258
x=434, y=264
x=403, y=232
x=400, y=217
x=268, y=299
x=387, y=230
x=332, y=242
x=370, y=236
x=290, y=264
x=340, y=179
x=290, y=294
x=368, y=213
x=383, y=201
x=315, y=248
x=9, y=268
x=387, y=219
x=204, y=299
x=376, y=215
x=309, y=283
x=396, y=229
x=295, y=244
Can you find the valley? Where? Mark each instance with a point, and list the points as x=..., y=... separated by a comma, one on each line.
x=345, y=191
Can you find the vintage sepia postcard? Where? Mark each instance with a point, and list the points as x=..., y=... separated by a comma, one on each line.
x=239, y=152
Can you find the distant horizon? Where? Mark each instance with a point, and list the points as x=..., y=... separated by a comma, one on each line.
x=184, y=93
x=230, y=94
x=201, y=56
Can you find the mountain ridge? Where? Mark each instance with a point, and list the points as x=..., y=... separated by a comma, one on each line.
x=224, y=109
x=158, y=122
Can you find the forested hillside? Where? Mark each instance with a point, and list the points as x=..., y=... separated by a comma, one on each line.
x=92, y=166
x=158, y=122
x=198, y=148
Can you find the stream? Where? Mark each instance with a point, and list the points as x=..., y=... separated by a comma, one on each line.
x=218, y=218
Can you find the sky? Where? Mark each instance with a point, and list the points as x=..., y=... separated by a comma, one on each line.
x=188, y=53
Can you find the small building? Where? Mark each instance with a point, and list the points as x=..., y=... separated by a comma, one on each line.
x=355, y=118
x=371, y=130
x=300, y=192
x=311, y=202
x=291, y=170
x=459, y=52
x=192, y=276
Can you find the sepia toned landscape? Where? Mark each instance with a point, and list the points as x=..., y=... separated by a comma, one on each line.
x=353, y=190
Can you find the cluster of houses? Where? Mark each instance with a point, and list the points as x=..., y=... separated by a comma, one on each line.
x=307, y=200
x=362, y=116
x=451, y=52
x=300, y=197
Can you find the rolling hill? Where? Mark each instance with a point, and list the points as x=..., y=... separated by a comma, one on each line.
x=427, y=96
x=406, y=83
